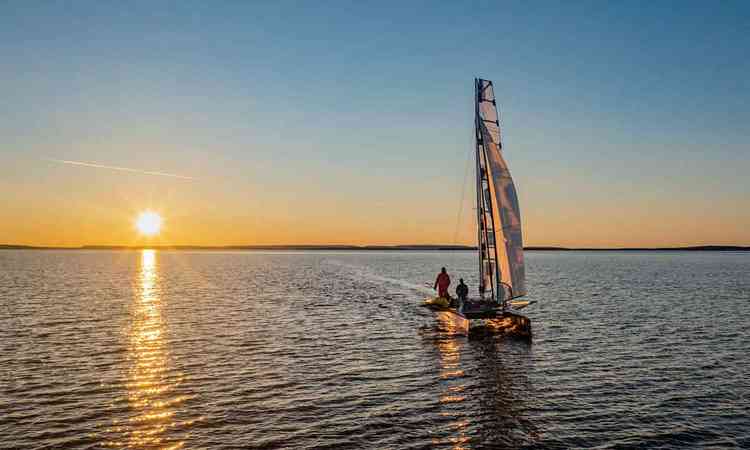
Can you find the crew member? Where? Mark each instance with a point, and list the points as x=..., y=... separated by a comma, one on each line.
x=462, y=291
x=442, y=282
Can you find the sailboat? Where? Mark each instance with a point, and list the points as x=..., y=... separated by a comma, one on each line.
x=502, y=277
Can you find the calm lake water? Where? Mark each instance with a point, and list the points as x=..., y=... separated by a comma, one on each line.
x=331, y=350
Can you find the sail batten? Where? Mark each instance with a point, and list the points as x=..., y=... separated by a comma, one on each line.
x=500, y=238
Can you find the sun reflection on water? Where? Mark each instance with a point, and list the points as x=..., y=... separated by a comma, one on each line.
x=151, y=386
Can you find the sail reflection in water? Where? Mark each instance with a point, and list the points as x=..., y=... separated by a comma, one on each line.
x=151, y=385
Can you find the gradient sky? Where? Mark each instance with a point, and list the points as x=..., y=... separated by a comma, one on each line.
x=626, y=124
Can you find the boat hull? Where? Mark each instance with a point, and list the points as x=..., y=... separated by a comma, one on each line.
x=478, y=321
x=508, y=323
x=454, y=322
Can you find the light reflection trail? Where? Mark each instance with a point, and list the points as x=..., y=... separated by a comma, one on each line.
x=452, y=374
x=151, y=397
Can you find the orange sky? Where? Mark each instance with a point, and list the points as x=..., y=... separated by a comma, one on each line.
x=57, y=205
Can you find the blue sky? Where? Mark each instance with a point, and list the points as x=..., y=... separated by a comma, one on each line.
x=619, y=111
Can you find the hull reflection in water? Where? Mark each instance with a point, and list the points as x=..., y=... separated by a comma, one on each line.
x=151, y=387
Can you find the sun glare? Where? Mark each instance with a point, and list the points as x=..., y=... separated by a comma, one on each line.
x=148, y=223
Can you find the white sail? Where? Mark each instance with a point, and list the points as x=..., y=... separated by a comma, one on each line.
x=500, y=240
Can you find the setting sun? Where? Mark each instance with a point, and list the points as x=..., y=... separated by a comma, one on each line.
x=148, y=223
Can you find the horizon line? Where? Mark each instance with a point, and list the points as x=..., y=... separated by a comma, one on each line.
x=434, y=247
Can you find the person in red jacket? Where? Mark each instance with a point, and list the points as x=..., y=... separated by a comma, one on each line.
x=442, y=282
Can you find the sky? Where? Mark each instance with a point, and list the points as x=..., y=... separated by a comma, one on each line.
x=625, y=124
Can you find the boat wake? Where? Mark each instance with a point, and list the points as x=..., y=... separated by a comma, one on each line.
x=366, y=274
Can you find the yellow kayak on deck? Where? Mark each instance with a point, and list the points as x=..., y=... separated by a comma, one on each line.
x=437, y=302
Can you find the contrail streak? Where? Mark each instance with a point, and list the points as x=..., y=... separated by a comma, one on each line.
x=122, y=169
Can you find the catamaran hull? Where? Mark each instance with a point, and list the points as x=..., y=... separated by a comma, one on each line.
x=509, y=324
x=475, y=323
x=453, y=322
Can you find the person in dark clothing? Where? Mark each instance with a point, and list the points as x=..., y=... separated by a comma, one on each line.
x=462, y=291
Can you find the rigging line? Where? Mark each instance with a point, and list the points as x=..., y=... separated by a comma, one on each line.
x=463, y=183
x=461, y=202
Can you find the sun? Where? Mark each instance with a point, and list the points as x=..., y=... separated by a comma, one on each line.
x=148, y=223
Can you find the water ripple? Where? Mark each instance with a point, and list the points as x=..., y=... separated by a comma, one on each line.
x=330, y=350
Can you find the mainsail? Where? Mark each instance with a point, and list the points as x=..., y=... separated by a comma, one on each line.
x=501, y=267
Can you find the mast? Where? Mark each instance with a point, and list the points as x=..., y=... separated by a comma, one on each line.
x=478, y=176
x=488, y=267
x=479, y=172
x=500, y=242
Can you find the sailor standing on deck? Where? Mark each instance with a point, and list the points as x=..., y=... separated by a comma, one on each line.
x=462, y=292
x=442, y=282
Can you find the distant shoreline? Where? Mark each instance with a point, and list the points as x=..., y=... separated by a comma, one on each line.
x=703, y=248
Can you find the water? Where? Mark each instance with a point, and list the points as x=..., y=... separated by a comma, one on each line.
x=301, y=350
